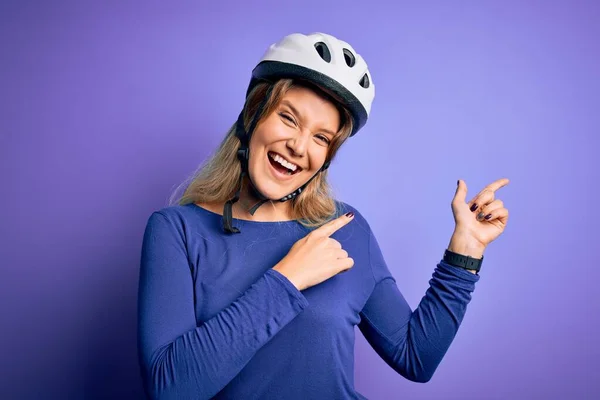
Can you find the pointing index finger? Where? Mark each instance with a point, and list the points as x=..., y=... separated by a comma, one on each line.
x=334, y=225
x=498, y=184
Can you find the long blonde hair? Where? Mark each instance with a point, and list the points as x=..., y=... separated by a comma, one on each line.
x=218, y=178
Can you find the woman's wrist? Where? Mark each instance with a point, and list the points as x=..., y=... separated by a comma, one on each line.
x=461, y=245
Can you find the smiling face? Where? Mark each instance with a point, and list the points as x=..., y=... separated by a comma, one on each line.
x=291, y=144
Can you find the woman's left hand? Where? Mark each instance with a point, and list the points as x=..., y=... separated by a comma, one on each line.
x=482, y=219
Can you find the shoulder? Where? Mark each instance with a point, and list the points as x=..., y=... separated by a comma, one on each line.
x=171, y=213
x=174, y=217
x=180, y=224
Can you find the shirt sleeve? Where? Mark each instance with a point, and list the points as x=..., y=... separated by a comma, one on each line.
x=180, y=359
x=413, y=343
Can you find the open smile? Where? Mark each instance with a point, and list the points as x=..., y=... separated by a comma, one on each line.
x=282, y=168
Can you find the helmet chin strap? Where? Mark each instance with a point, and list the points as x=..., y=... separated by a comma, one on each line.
x=290, y=196
x=243, y=154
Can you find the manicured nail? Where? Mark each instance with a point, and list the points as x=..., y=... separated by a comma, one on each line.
x=474, y=207
x=488, y=216
x=479, y=216
x=350, y=214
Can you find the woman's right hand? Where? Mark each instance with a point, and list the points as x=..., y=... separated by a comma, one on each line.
x=316, y=257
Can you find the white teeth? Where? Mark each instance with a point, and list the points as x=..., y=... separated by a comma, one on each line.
x=283, y=162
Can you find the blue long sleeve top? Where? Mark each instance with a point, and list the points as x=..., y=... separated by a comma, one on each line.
x=216, y=321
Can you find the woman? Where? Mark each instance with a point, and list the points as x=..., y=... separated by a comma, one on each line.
x=266, y=309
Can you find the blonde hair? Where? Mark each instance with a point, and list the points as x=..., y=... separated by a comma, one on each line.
x=217, y=179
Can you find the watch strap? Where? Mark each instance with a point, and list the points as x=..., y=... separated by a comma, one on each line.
x=462, y=261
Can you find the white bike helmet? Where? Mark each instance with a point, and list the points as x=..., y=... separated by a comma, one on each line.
x=326, y=61
x=317, y=58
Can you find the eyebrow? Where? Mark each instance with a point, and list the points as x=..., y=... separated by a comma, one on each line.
x=287, y=103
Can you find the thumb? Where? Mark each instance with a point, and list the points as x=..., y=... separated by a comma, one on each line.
x=461, y=192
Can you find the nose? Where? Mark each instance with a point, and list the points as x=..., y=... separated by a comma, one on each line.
x=298, y=144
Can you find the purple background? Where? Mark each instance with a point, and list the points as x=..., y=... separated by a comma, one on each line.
x=105, y=108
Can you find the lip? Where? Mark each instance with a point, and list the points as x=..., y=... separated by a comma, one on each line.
x=280, y=176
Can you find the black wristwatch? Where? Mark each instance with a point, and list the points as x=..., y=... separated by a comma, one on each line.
x=459, y=260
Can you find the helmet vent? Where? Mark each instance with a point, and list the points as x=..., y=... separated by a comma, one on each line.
x=350, y=60
x=323, y=51
x=364, y=82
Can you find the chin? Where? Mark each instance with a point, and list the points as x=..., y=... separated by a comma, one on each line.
x=272, y=187
x=274, y=190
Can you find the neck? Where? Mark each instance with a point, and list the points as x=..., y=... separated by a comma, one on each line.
x=269, y=211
